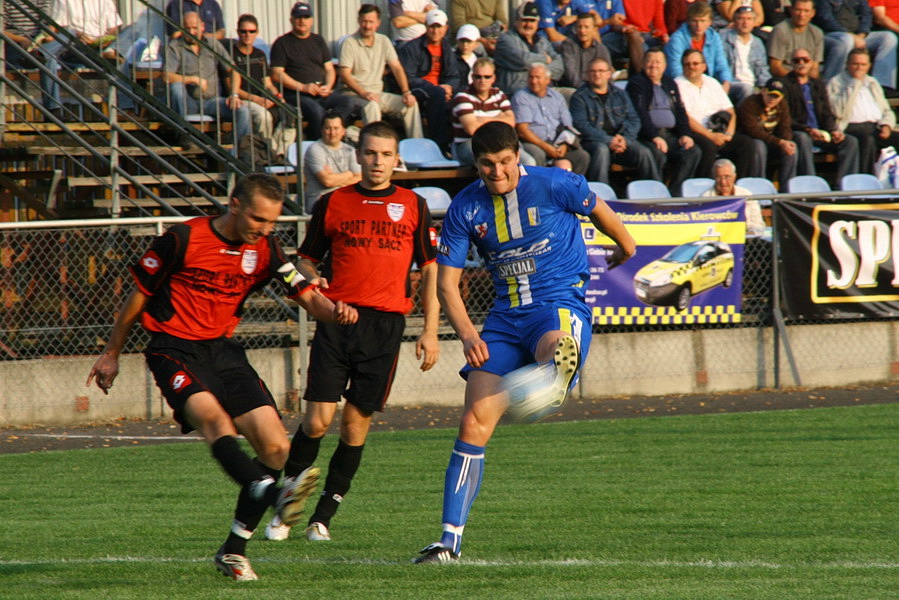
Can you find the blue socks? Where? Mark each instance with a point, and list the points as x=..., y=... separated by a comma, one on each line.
x=463, y=480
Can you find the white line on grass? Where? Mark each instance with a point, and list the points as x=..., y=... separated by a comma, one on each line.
x=572, y=562
x=84, y=436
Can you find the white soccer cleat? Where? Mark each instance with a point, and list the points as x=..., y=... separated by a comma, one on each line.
x=277, y=531
x=294, y=493
x=318, y=532
x=539, y=390
x=235, y=566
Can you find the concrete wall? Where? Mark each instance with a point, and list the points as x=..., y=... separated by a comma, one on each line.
x=52, y=390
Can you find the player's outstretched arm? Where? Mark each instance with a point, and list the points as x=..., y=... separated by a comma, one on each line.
x=427, y=349
x=106, y=368
x=321, y=307
x=474, y=347
x=605, y=220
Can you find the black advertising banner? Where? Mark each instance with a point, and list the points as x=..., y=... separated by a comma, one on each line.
x=838, y=261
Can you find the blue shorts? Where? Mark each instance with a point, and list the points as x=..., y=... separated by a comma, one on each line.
x=512, y=335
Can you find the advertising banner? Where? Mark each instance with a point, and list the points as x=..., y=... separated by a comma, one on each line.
x=688, y=267
x=838, y=261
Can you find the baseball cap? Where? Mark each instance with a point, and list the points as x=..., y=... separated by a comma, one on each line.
x=528, y=10
x=300, y=9
x=775, y=87
x=435, y=17
x=743, y=9
x=468, y=32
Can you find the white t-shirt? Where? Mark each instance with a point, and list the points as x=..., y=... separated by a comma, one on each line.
x=865, y=109
x=404, y=34
x=704, y=100
x=91, y=17
x=742, y=71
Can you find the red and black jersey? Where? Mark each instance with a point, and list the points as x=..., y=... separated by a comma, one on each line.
x=370, y=238
x=197, y=280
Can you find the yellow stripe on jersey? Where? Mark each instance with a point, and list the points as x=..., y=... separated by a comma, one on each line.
x=514, y=297
x=565, y=320
x=499, y=216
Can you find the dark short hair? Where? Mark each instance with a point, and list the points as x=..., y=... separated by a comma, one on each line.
x=690, y=51
x=656, y=50
x=493, y=137
x=333, y=114
x=855, y=51
x=380, y=129
x=261, y=184
x=369, y=8
x=247, y=18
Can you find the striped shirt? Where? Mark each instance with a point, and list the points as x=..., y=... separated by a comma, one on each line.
x=22, y=22
x=468, y=102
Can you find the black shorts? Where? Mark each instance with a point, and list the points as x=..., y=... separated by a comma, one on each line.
x=184, y=367
x=362, y=356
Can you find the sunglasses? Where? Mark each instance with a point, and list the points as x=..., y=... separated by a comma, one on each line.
x=246, y=31
x=693, y=64
x=482, y=76
x=801, y=60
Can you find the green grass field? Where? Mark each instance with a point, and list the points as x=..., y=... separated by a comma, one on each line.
x=780, y=505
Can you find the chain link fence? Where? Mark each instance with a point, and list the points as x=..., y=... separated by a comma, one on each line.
x=62, y=284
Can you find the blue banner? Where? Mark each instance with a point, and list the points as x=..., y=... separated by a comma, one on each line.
x=688, y=267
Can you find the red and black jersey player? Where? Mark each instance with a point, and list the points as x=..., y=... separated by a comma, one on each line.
x=190, y=286
x=366, y=237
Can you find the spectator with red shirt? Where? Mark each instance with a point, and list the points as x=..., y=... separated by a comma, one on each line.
x=189, y=288
x=648, y=16
x=433, y=75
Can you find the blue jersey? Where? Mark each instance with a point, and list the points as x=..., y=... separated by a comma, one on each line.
x=530, y=239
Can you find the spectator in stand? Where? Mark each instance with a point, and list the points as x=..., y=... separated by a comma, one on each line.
x=192, y=74
x=862, y=109
x=465, y=52
x=696, y=33
x=664, y=127
x=765, y=117
x=329, y=163
x=480, y=13
x=723, y=12
x=746, y=54
x=544, y=125
x=21, y=26
x=813, y=121
x=885, y=14
x=624, y=41
x=774, y=12
x=407, y=19
x=364, y=56
x=609, y=125
x=433, y=76
x=648, y=16
x=846, y=25
x=88, y=20
x=481, y=103
x=518, y=49
x=725, y=175
x=256, y=85
x=302, y=68
x=557, y=17
x=676, y=13
x=798, y=32
x=713, y=119
x=578, y=52
x=210, y=13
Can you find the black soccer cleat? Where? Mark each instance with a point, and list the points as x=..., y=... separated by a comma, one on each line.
x=436, y=553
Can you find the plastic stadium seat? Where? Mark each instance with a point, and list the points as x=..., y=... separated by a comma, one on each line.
x=423, y=153
x=603, y=190
x=647, y=189
x=807, y=184
x=438, y=199
x=759, y=186
x=860, y=182
x=695, y=186
x=292, y=159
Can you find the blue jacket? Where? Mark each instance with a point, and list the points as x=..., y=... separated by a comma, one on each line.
x=416, y=61
x=826, y=15
x=712, y=49
x=758, y=55
x=589, y=117
x=639, y=88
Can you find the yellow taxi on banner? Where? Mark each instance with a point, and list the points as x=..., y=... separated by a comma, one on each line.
x=685, y=271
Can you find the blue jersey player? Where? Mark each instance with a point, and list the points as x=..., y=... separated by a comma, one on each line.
x=524, y=223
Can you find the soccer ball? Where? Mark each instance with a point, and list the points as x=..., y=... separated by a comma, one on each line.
x=533, y=392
